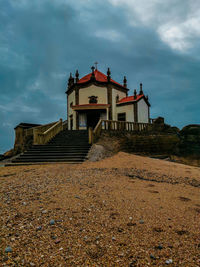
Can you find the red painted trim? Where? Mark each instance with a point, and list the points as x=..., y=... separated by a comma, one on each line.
x=99, y=76
x=131, y=99
x=91, y=105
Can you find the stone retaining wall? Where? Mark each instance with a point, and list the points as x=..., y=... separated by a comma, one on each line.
x=182, y=146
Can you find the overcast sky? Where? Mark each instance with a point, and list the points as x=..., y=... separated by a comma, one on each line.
x=151, y=41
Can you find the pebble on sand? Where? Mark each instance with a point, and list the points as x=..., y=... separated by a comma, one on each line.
x=52, y=222
x=8, y=249
x=152, y=257
x=159, y=247
x=170, y=261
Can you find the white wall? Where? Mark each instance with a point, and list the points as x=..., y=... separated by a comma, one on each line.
x=121, y=95
x=128, y=109
x=142, y=111
x=100, y=92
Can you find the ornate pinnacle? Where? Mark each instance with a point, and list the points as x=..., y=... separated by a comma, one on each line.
x=77, y=76
x=135, y=94
x=70, y=80
x=92, y=76
x=125, y=81
x=108, y=74
x=141, y=91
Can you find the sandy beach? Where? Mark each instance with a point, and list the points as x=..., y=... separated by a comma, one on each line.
x=126, y=210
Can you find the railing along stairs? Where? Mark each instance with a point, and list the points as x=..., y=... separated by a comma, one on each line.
x=42, y=135
x=110, y=125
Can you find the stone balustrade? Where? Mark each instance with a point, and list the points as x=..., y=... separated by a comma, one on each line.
x=42, y=135
x=110, y=125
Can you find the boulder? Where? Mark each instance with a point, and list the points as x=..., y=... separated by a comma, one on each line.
x=192, y=129
x=189, y=145
x=97, y=152
x=8, y=154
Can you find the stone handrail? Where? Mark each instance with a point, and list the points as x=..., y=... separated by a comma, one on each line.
x=41, y=138
x=42, y=128
x=110, y=125
x=93, y=135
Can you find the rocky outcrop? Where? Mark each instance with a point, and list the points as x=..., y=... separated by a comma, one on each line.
x=162, y=140
x=189, y=144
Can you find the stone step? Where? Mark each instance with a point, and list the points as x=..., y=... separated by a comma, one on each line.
x=49, y=160
x=59, y=148
x=54, y=153
x=62, y=146
x=66, y=146
x=52, y=156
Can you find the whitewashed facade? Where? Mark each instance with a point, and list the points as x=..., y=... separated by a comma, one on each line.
x=97, y=96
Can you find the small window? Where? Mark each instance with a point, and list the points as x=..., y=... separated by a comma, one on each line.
x=71, y=104
x=93, y=99
x=121, y=116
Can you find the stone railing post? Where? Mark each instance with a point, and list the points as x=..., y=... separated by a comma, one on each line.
x=91, y=136
x=36, y=137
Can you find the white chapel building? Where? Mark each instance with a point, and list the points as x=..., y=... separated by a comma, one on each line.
x=97, y=96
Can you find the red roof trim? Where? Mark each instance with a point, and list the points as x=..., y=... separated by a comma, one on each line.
x=130, y=99
x=99, y=76
x=94, y=104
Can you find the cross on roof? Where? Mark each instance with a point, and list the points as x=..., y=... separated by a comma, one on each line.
x=96, y=63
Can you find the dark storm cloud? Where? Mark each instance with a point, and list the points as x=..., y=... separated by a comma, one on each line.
x=42, y=41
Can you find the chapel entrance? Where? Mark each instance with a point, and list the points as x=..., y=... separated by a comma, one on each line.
x=93, y=117
x=89, y=117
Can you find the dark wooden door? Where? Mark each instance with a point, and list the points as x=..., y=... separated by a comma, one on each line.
x=92, y=118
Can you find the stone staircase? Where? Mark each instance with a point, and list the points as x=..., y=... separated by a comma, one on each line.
x=66, y=146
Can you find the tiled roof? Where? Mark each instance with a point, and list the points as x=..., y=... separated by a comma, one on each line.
x=129, y=99
x=99, y=76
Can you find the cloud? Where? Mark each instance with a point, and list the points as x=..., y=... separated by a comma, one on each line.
x=177, y=22
x=153, y=42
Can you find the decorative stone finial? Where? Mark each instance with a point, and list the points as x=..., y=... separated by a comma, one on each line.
x=135, y=94
x=92, y=76
x=70, y=80
x=108, y=74
x=77, y=76
x=141, y=91
x=125, y=82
